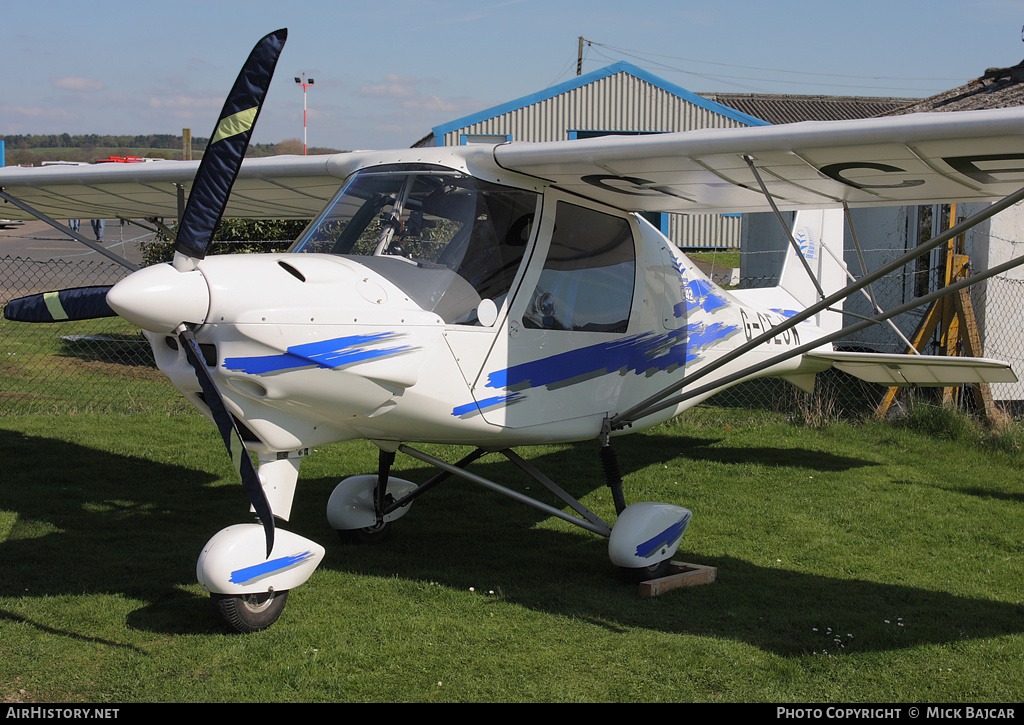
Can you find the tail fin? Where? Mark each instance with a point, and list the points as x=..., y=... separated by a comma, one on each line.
x=819, y=234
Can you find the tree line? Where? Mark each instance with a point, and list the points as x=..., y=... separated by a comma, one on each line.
x=34, y=149
x=95, y=140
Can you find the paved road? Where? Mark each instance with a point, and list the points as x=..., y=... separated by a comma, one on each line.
x=38, y=240
x=44, y=258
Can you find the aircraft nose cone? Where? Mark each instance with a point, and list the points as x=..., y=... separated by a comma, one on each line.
x=160, y=298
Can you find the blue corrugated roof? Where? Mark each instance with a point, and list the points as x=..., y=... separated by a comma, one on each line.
x=621, y=67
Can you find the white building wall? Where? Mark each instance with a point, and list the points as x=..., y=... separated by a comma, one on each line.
x=999, y=301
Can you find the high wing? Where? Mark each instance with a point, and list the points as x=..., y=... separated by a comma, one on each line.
x=277, y=187
x=901, y=160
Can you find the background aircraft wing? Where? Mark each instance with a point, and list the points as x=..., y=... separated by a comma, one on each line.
x=277, y=187
x=900, y=160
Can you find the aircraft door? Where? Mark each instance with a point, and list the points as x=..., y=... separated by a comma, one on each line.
x=565, y=352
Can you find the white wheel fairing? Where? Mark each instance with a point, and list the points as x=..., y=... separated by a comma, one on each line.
x=647, y=533
x=351, y=505
x=234, y=562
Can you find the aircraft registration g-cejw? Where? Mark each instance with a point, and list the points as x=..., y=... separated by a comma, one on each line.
x=496, y=296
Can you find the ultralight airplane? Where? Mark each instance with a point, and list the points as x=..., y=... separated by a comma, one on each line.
x=495, y=297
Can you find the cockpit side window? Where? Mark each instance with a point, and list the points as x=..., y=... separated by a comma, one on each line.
x=589, y=275
x=432, y=219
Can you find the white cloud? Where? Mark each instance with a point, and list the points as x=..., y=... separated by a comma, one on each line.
x=79, y=85
x=182, y=103
x=394, y=86
x=404, y=92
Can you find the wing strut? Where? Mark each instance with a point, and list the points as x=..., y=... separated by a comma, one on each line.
x=658, y=401
x=785, y=227
x=66, y=230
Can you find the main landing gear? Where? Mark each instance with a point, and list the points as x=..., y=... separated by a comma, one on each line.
x=641, y=543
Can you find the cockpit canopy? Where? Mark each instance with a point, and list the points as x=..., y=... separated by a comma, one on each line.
x=446, y=239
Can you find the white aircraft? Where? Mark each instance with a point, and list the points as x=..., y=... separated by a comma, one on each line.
x=496, y=296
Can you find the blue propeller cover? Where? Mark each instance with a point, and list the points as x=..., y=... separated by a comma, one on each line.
x=223, y=156
x=80, y=303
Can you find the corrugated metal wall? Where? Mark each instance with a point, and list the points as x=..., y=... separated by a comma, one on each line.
x=704, y=231
x=618, y=103
x=621, y=102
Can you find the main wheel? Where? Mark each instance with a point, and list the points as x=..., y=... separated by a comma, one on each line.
x=246, y=613
x=368, y=535
x=643, y=573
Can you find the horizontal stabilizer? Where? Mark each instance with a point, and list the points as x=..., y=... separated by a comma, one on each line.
x=80, y=303
x=919, y=370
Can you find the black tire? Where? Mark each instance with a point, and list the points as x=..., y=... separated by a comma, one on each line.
x=642, y=574
x=368, y=535
x=247, y=613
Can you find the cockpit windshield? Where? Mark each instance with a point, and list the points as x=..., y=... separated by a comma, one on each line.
x=447, y=239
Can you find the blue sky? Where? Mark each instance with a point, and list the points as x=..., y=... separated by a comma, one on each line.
x=387, y=72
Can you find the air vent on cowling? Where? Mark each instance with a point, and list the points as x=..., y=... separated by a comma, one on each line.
x=292, y=271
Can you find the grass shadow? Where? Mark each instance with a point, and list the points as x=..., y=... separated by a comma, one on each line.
x=79, y=521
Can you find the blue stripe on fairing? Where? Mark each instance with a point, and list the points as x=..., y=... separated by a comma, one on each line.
x=330, y=354
x=666, y=538
x=251, y=573
x=644, y=354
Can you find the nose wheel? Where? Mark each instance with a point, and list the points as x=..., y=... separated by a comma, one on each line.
x=247, y=613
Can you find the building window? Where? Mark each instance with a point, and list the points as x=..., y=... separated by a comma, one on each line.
x=484, y=138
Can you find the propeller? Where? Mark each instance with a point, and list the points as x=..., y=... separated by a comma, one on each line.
x=223, y=156
x=206, y=203
x=136, y=298
x=80, y=303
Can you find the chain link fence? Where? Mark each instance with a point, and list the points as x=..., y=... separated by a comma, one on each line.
x=106, y=365
x=101, y=365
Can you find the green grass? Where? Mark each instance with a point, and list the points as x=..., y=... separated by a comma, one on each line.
x=102, y=365
x=722, y=259
x=856, y=563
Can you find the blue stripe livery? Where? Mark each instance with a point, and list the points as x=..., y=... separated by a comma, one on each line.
x=331, y=354
x=479, y=406
x=274, y=566
x=666, y=538
x=699, y=295
x=644, y=354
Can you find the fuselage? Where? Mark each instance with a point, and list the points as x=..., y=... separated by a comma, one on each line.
x=446, y=300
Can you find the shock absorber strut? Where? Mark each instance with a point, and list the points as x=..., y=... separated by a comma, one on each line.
x=612, y=471
x=385, y=460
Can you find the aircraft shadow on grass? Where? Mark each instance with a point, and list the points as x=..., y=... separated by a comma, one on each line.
x=132, y=527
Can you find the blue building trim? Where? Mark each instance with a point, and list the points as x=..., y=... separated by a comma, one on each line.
x=621, y=67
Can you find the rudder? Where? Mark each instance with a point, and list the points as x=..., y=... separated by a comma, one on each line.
x=819, y=234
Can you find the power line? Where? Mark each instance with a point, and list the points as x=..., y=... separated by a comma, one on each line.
x=772, y=70
x=743, y=81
